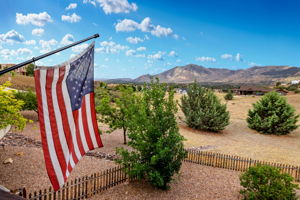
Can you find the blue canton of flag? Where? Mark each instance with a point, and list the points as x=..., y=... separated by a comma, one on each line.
x=80, y=80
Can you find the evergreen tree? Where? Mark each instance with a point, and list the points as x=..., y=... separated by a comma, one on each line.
x=154, y=136
x=203, y=110
x=272, y=115
x=229, y=95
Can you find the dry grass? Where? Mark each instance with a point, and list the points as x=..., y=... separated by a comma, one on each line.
x=238, y=139
x=19, y=82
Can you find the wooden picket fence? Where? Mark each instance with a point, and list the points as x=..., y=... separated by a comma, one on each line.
x=87, y=186
x=236, y=162
x=84, y=187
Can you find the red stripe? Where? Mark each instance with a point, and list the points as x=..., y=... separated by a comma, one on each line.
x=94, y=119
x=64, y=116
x=55, y=136
x=85, y=125
x=48, y=163
x=76, y=121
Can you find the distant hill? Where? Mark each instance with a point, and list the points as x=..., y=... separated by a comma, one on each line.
x=256, y=75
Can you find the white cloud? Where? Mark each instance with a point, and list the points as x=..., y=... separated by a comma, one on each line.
x=141, y=49
x=159, y=31
x=22, y=51
x=238, y=57
x=130, y=52
x=79, y=48
x=32, y=18
x=71, y=6
x=178, y=60
x=114, y=6
x=206, y=59
x=67, y=39
x=226, y=56
x=38, y=31
x=30, y=42
x=47, y=45
x=71, y=18
x=173, y=54
x=175, y=36
x=128, y=25
x=157, y=56
x=134, y=40
x=252, y=64
x=110, y=47
x=11, y=37
x=93, y=2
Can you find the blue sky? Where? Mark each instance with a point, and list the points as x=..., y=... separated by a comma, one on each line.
x=150, y=36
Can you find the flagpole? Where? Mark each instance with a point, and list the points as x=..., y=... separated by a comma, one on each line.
x=46, y=54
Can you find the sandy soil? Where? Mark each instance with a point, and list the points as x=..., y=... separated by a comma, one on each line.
x=238, y=139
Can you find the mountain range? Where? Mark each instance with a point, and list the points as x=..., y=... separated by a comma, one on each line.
x=191, y=72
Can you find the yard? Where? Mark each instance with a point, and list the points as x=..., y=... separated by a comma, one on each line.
x=195, y=181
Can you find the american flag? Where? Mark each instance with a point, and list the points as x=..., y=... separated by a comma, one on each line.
x=67, y=114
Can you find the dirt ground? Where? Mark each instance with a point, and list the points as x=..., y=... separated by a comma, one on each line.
x=193, y=182
x=238, y=139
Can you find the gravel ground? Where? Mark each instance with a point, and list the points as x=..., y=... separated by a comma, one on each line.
x=29, y=171
x=194, y=182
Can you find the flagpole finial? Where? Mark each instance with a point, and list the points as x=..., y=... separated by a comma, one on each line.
x=96, y=35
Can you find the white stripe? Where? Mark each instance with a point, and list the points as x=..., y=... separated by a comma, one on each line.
x=81, y=131
x=89, y=119
x=69, y=113
x=60, y=129
x=48, y=132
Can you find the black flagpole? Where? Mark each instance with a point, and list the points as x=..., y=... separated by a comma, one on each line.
x=46, y=54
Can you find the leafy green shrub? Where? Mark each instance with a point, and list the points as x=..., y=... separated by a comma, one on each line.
x=10, y=109
x=229, y=95
x=203, y=110
x=30, y=70
x=272, y=115
x=264, y=182
x=29, y=99
x=154, y=137
x=116, y=111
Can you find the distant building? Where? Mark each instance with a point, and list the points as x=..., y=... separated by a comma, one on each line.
x=295, y=82
x=181, y=91
x=257, y=90
x=21, y=70
x=251, y=90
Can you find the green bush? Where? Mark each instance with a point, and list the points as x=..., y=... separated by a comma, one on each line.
x=154, y=137
x=10, y=109
x=264, y=182
x=272, y=115
x=29, y=99
x=203, y=110
x=229, y=95
x=30, y=70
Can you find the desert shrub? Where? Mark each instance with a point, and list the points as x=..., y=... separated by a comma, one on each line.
x=229, y=95
x=203, y=110
x=29, y=99
x=157, y=147
x=272, y=115
x=10, y=109
x=264, y=182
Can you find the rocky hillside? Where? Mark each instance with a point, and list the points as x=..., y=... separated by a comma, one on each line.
x=192, y=72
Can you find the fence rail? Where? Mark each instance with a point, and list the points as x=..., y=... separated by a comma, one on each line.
x=236, y=163
x=84, y=187
x=87, y=186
